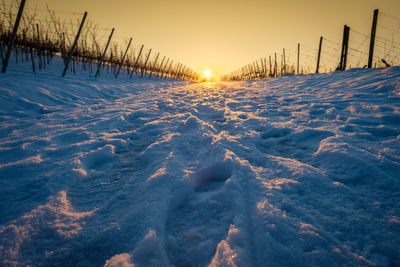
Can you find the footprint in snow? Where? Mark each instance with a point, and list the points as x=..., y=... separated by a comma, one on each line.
x=199, y=223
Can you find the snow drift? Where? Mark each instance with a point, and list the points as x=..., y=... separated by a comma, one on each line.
x=298, y=170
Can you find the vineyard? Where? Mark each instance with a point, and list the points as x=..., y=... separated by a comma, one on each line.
x=38, y=35
x=331, y=55
x=80, y=42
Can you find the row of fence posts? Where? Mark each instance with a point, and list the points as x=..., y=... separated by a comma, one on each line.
x=253, y=71
x=166, y=70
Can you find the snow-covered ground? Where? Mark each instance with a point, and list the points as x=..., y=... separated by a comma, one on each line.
x=293, y=171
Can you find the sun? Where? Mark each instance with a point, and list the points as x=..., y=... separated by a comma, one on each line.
x=207, y=74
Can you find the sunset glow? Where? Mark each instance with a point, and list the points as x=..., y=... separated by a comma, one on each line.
x=230, y=42
x=207, y=74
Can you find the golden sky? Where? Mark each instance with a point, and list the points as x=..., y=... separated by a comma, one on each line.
x=225, y=34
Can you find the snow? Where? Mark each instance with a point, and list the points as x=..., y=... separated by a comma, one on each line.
x=294, y=171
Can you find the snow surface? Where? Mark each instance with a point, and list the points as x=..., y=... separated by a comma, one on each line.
x=293, y=171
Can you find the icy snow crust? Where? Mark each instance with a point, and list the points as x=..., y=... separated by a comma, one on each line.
x=293, y=171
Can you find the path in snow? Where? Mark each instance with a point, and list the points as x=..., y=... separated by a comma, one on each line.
x=295, y=170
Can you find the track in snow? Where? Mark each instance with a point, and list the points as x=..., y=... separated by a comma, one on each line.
x=263, y=173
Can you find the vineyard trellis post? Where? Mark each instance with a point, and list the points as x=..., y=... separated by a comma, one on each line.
x=265, y=65
x=298, y=57
x=137, y=60
x=161, y=65
x=71, y=52
x=145, y=64
x=123, y=58
x=181, y=72
x=270, y=66
x=345, y=46
x=284, y=61
x=372, y=41
x=63, y=48
x=14, y=34
x=154, y=65
x=177, y=70
x=169, y=68
x=178, y=76
x=104, y=53
x=39, y=54
x=319, y=54
x=340, y=67
x=1, y=51
x=164, y=69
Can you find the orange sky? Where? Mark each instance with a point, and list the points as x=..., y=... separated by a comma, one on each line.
x=225, y=34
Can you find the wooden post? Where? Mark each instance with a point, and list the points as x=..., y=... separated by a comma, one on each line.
x=169, y=68
x=264, y=67
x=104, y=54
x=177, y=71
x=251, y=71
x=173, y=72
x=276, y=67
x=284, y=61
x=298, y=57
x=164, y=69
x=13, y=35
x=137, y=60
x=345, y=43
x=319, y=54
x=1, y=52
x=145, y=64
x=160, y=68
x=48, y=51
x=372, y=42
x=71, y=52
x=32, y=59
x=63, y=48
x=38, y=47
x=340, y=67
x=185, y=73
x=257, y=68
x=154, y=65
x=270, y=67
x=123, y=58
x=346, y=47
x=264, y=61
x=181, y=73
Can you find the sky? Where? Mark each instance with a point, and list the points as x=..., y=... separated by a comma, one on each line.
x=227, y=34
